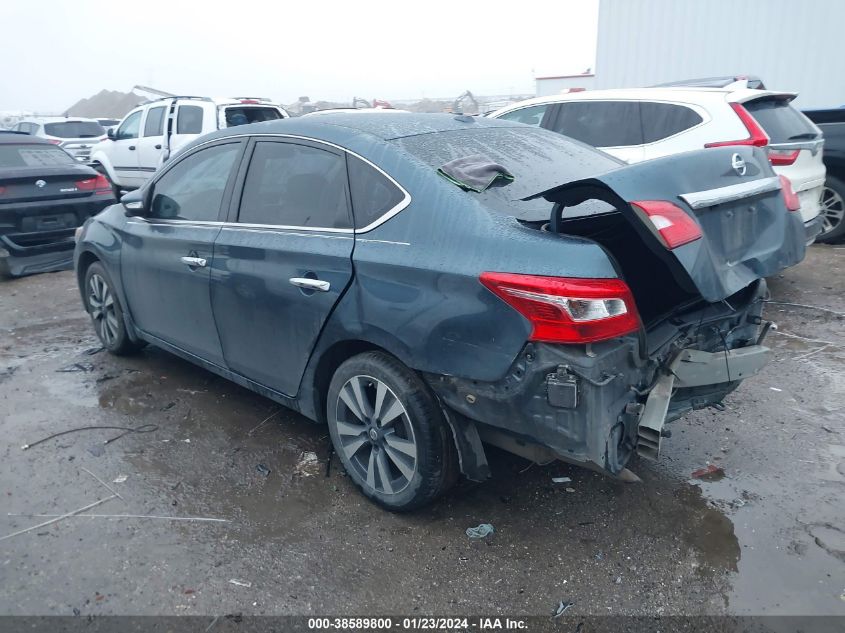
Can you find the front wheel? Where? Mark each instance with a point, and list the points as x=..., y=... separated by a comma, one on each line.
x=832, y=210
x=102, y=304
x=389, y=432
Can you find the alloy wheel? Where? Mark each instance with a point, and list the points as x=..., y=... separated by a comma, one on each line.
x=101, y=302
x=375, y=434
x=832, y=209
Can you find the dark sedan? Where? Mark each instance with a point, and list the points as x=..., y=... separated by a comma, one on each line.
x=565, y=308
x=45, y=195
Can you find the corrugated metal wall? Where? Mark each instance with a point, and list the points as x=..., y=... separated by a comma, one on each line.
x=794, y=45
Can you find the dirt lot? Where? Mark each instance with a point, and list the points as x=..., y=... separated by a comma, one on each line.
x=766, y=538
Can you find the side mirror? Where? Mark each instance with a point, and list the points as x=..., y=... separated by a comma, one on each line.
x=137, y=203
x=110, y=133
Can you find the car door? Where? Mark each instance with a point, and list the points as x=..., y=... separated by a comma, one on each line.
x=151, y=142
x=166, y=255
x=190, y=118
x=611, y=126
x=283, y=260
x=124, y=151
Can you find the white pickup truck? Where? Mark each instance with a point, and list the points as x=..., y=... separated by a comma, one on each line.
x=152, y=132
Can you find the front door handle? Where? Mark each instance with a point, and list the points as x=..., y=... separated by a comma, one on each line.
x=310, y=284
x=194, y=262
x=132, y=148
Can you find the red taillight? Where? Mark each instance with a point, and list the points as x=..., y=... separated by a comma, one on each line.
x=673, y=224
x=2, y=191
x=564, y=310
x=790, y=198
x=54, y=141
x=99, y=185
x=250, y=101
x=783, y=156
x=756, y=136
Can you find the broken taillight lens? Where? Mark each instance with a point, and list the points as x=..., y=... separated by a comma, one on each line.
x=790, y=198
x=674, y=226
x=99, y=185
x=567, y=310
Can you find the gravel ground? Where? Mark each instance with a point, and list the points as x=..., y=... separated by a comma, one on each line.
x=767, y=538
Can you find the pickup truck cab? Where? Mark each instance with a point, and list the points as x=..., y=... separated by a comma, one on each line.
x=152, y=132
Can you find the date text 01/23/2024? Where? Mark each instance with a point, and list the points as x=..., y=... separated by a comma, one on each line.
x=418, y=623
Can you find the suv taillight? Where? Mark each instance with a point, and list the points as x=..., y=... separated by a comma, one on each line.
x=673, y=224
x=790, y=198
x=99, y=185
x=783, y=156
x=567, y=310
x=756, y=135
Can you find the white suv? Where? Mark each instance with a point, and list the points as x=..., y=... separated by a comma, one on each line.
x=74, y=135
x=637, y=124
x=152, y=132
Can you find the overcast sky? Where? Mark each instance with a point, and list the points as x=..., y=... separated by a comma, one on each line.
x=55, y=52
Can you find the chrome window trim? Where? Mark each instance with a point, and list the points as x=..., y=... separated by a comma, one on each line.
x=394, y=210
x=731, y=193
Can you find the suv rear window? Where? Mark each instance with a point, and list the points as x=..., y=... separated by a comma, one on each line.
x=600, y=123
x=662, y=120
x=30, y=155
x=781, y=122
x=240, y=115
x=74, y=129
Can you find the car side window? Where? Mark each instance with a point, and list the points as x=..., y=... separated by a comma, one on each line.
x=532, y=115
x=154, y=125
x=130, y=127
x=189, y=120
x=662, y=120
x=600, y=123
x=193, y=188
x=295, y=185
x=373, y=193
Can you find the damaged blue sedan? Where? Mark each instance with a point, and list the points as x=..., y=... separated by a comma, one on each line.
x=428, y=285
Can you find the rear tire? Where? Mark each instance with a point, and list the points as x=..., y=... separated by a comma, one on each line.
x=833, y=211
x=389, y=432
x=102, y=304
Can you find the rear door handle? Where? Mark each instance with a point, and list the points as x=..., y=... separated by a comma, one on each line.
x=132, y=148
x=194, y=261
x=158, y=146
x=310, y=284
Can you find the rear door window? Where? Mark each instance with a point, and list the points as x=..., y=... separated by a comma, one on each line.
x=154, y=125
x=193, y=188
x=781, y=122
x=600, y=123
x=532, y=115
x=662, y=120
x=74, y=129
x=295, y=185
x=241, y=115
x=373, y=194
x=189, y=120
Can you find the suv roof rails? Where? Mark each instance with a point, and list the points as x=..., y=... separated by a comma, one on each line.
x=751, y=81
x=268, y=99
x=177, y=97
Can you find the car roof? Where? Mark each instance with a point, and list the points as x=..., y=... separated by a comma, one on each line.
x=688, y=94
x=19, y=138
x=56, y=119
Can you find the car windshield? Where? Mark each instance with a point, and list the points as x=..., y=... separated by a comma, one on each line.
x=539, y=160
x=241, y=115
x=781, y=122
x=31, y=155
x=74, y=129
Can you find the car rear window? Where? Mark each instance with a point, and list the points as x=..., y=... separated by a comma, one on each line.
x=662, y=120
x=29, y=155
x=781, y=122
x=538, y=159
x=241, y=115
x=74, y=129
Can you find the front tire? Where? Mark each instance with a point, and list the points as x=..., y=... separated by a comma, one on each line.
x=102, y=304
x=389, y=432
x=833, y=211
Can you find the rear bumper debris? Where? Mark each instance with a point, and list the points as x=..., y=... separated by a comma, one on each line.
x=588, y=404
x=812, y=229
x=35, y=253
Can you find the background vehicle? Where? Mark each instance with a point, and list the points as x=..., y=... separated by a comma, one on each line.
x=44, y=195
x=643, y=123
x=149, y=134
x=76, y=136
x=567, y=314
x=832, y=124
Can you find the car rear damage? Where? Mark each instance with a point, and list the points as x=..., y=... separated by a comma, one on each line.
x=693, y=237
